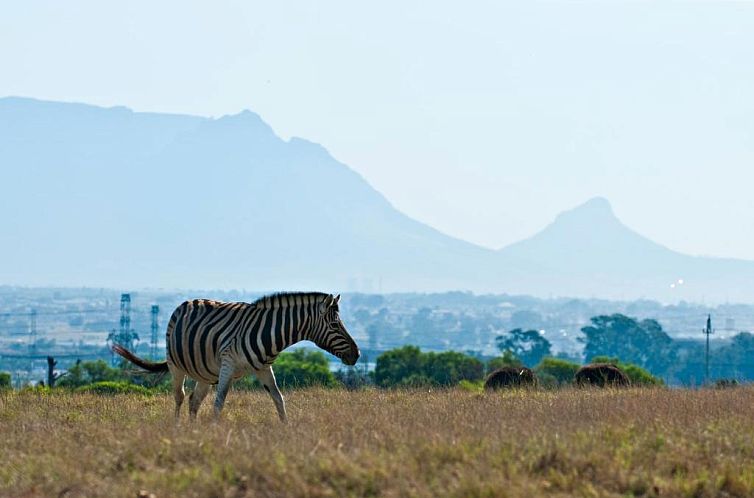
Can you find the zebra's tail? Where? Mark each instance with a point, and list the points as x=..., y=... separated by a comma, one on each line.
x=154, y=367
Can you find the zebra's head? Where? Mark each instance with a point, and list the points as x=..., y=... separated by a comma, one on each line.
x=334, y=338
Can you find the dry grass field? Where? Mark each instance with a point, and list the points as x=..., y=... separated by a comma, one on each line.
x=636, y=442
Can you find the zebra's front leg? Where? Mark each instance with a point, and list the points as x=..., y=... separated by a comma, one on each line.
x=223, y=384
x=267, y=378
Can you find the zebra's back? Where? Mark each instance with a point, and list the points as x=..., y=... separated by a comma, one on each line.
x=198, y=331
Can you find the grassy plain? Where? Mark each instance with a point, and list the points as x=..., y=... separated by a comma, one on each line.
x=635, y=442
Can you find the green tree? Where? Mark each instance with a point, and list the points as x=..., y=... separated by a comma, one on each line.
x=88, y=372
x=5, y=380
x=397, y=364
x=556, y=371
x=527, y=345
x=408, y=366
x=507, y=359
x=303, y=368
x=297, y=368
x=643, y=343
x=451, y=367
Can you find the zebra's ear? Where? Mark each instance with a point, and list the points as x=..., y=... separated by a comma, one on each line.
x=337, y=299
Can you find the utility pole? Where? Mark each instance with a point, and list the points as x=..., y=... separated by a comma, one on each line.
x=32, y=331
x=32, y=339
x=154, y=328
x=707, y=331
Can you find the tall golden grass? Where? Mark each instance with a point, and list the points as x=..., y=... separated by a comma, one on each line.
x=633, y=442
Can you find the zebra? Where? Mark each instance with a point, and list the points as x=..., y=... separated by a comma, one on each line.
x=216, y=342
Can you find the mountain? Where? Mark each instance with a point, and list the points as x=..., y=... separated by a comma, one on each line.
x=588, y=251
x=109, y=197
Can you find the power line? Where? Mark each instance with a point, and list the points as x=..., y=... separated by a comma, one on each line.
x=708, y=331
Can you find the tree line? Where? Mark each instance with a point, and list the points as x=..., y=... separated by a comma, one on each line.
x=646, y=353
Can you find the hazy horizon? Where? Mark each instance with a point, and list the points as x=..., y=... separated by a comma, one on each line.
x=484, y=121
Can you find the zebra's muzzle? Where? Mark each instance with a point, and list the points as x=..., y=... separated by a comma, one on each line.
x=351, y=357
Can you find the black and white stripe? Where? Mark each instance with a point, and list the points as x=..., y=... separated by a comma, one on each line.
x=215, y=342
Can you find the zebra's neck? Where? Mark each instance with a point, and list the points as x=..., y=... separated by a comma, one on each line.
x=282, y=323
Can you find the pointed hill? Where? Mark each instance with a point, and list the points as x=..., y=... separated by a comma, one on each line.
x=588, y=251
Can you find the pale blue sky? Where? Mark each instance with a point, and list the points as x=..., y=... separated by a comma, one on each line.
x=483, y=119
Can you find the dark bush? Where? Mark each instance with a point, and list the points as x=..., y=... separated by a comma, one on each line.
x=555, y=372
x=5, y=380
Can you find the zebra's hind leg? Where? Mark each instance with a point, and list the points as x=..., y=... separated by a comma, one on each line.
x=195, y=399
x=267, y=377
x=178, y=391
x=223, y=384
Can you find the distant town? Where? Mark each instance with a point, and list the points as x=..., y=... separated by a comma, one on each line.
x=80, y=324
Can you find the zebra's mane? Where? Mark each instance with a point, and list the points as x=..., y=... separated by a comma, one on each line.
x=283, y=299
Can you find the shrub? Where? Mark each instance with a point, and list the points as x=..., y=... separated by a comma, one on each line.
x=416, y=380
x=5, y=380
x=451, y=367
x=508, y=359
x=409, y=367
x=476, y=386
x=110, y=388
x=303, y=368
x=397, y=364
x=88, y=372
x=553, y=372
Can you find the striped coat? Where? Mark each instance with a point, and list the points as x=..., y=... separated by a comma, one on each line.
x=215, y=342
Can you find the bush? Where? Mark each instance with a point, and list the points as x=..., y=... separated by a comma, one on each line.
x=416, y=380
x=303, y=368
x=36, y=389
x=111, y=388
x=5, y=381
x=354, y=378
x=554, y=372
x=476, y=386
x=637, y=375
x=508, y=359
x=451, y=367
x=88, y=372
x=409, y=367
x=397, y=364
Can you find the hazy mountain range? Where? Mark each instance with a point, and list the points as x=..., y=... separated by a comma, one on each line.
x=108, y=197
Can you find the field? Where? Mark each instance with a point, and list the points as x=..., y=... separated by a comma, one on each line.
x=637, y=442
